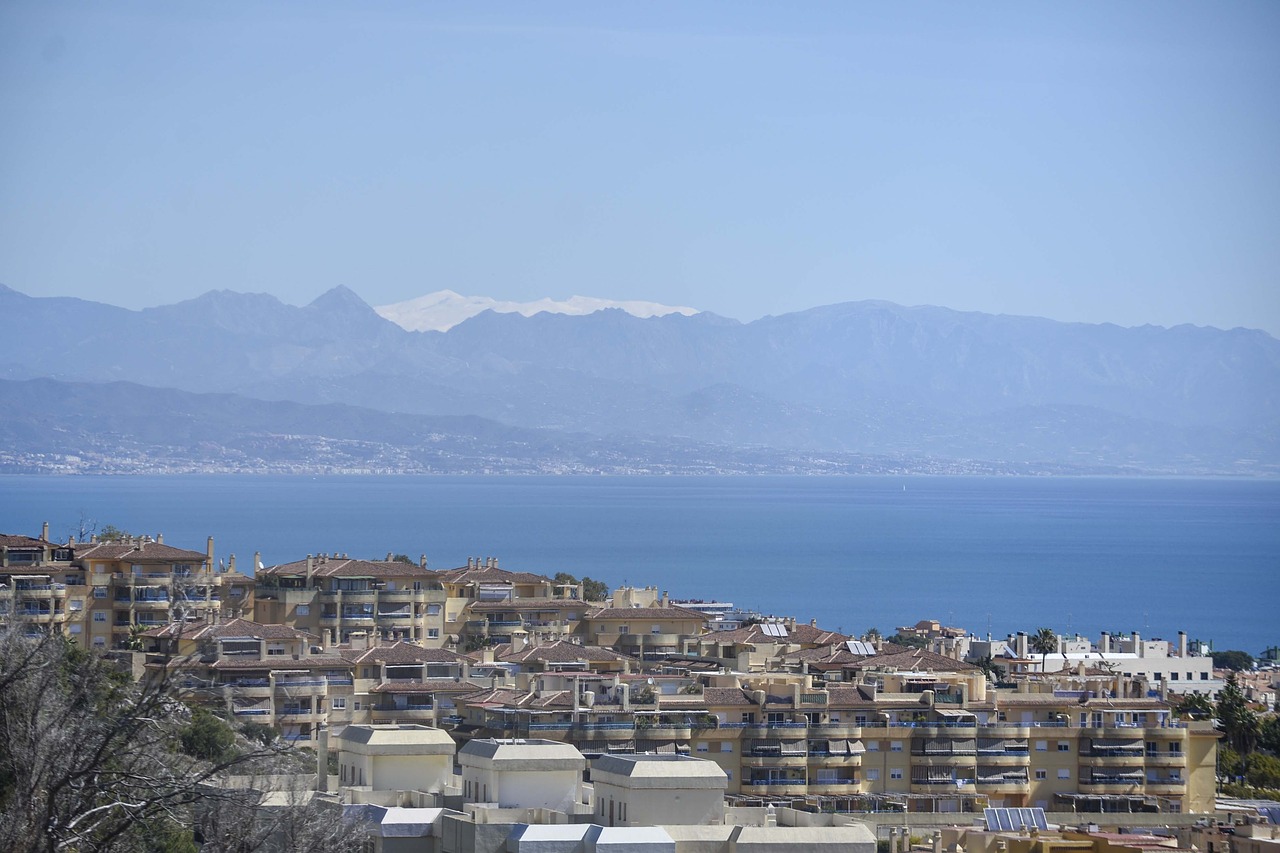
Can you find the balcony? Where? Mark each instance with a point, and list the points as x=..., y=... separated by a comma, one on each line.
x=836, y=787
x=775, y=760
x=393, y=714
x=851, y=731
x=1166, y=759
x=941, y=786
x=1165, y=787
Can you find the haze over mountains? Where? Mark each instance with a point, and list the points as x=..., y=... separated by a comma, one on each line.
x=929, y=387
x=444, y=309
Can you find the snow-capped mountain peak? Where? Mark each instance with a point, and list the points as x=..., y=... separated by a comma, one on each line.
x=444, y=309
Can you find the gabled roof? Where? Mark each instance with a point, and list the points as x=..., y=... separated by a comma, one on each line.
x=400, y=653
x=12, y=540
x=670, y=612
x=136, y=552
x=345, y=567
x=560, y=651
x=918, y=660
x=489, y=574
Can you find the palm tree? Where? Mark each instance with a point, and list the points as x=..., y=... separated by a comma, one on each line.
x=1044, y=641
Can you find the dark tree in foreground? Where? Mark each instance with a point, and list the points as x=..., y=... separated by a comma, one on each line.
x=90, y=760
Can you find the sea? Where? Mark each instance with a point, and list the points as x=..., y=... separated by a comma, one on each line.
x=992, y=555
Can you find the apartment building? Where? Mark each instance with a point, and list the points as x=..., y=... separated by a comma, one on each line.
x=336, y=597
x=899, y=739
x=483, y=581
x=102, y=594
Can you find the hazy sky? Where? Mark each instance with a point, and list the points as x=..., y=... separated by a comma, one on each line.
x=1112, y=161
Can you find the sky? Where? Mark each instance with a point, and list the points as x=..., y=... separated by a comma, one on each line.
x=1092, y=161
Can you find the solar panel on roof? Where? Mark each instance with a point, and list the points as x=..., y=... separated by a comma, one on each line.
x=1014, y=820
x=860, y=647
x=773, y=629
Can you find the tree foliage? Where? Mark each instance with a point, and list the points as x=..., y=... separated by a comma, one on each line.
x=1235, y=718
x=1232, y=659
x=911, y=641
x=592, y=590
x=90, y=760
x=1042, y=642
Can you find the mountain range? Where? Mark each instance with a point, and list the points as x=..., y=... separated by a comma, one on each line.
x=444, y=309
x=865, y=379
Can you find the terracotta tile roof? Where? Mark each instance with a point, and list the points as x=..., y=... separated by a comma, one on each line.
x=671, y=612
x=142, y=552
x=400, y=653
x=490, y=574
x=9, y=540
x=560, y=651
x=726, y=696
x=344, y=567
x=918, y=660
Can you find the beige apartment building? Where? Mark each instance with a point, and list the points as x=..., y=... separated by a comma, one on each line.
x=102, y=594
x=335, y=597
x=915, y=740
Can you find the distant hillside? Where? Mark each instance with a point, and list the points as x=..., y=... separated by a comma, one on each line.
x=864, y=378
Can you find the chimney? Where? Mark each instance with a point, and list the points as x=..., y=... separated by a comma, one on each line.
x=388, y=557
x=322, y=759
x=1182, y=644
x=1021, y=649
x=231, y=563
x=1105, y=645
x=666, y=600
x=1137, y=644
x=311, y=566
x=422, y=561
x=208, y=553
x=44, y=531
x=160, y=541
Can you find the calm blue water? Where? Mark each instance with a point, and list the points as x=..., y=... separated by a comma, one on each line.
x=1153, y=555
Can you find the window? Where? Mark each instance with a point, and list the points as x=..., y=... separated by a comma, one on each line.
x=1064, y=773
x=895, y=746
x=1175, y=748
x=75, y=629
x=433, y=609
x=1173, y=676
x=275, y=648
x=1064, y=746
x=895, y=773
x=624, y=629
x=1042, y=774
x=748, y=717
x=304, y=610
x=338, y=703
x=655, y=629
x=702, y=746
x=99, y=592
x=1042, y=746
x=726, y=746
x=99, y=617
x=873, y=774
x=99, y=642
x=433, y=633
x=873, y=746
x=1204, y=676
x=357, y=704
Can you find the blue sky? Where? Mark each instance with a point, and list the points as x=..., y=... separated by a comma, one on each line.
x=1114, y=162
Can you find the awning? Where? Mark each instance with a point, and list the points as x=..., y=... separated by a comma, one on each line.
x=948, y=714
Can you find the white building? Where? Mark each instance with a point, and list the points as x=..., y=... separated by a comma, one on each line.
x=523, y=774
x=639, y=790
